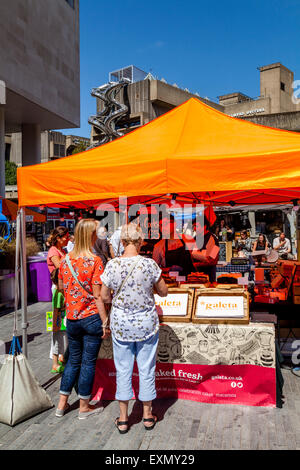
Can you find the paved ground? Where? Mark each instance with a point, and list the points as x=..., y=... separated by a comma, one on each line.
x=183, y=424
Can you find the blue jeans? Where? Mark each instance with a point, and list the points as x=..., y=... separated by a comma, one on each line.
x=84, y=343
x=145, y=352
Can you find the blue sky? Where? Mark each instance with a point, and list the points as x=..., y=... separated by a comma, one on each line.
x=211, y=48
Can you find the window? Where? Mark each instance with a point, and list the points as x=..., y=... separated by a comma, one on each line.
x=61, y=150
x=56, y=150
x=7, y=152
x=282, y=86
x=71, y=3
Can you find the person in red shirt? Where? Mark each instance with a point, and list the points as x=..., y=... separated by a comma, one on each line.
x=57, y=240
x=87, y=320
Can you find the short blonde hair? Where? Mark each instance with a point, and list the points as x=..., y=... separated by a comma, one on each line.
x=84, y=231
x=131, y=234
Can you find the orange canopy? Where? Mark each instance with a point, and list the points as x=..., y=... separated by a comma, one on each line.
x=10, y=209
x=194, y=151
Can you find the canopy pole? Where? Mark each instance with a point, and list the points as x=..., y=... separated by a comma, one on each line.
x=23, y=282
x=17, y=271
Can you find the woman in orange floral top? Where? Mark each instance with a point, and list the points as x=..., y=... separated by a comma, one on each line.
x=87, y=321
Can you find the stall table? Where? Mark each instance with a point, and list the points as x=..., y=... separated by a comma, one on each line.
x=206, y=363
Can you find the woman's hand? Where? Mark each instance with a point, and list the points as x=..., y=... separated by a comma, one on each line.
x=161, y=288
x=106, y=332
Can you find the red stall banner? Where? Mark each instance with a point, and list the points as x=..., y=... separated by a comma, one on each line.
x=193, y=364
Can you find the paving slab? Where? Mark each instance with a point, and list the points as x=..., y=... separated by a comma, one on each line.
x=183, y=425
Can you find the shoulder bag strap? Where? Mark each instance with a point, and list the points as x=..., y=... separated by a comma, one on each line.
x=74, y=274
x=124, y=281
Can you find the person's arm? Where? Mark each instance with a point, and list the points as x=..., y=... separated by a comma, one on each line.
x=96, y=287
x=111, y=251
x=56, y=260
x=276, y=244
x=101, y=309
x=161, y=287
x=159, y=254
x=288, y=246
x=254, y=246
x=209, y=255
x=106, y=294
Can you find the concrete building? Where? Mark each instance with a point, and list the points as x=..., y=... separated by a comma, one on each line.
x=39, y=73
x=274, y=107
x=53, y=145
x=147, y=98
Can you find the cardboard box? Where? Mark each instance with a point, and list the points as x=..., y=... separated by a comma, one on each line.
x=296, y=289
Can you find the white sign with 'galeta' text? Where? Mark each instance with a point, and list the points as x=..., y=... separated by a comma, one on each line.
x=172, y=305
x=220, y=306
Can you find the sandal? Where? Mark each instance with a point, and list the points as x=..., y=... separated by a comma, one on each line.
x=150, y=420
x=121, y=423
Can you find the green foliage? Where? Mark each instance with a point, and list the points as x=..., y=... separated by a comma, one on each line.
x=8, y=251
x=10, y=173
x=80, y=148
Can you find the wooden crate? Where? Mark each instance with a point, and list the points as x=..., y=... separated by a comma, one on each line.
x=296, y=289
x=296, y=299
x=187, y=315
x=222, y=293
x=190, y=285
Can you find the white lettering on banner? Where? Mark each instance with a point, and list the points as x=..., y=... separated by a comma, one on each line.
x=172, y=305
x=225, y=306
x=169, y=373
x=224, y=377
x=181, y=374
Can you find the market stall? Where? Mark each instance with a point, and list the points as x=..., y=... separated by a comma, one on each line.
x=193, y=152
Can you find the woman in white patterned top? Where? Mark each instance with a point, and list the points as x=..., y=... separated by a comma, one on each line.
x=134, y=322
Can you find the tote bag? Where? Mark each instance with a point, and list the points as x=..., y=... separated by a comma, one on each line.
x=21, y=396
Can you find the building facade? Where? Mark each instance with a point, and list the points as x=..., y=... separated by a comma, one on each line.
x=147, y=98
x=54, y=145
x=275, y=107
x=39, y=73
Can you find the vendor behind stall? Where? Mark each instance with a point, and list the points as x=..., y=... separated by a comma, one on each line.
x=244, y=245
x=205, y=258
x=170, y=252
